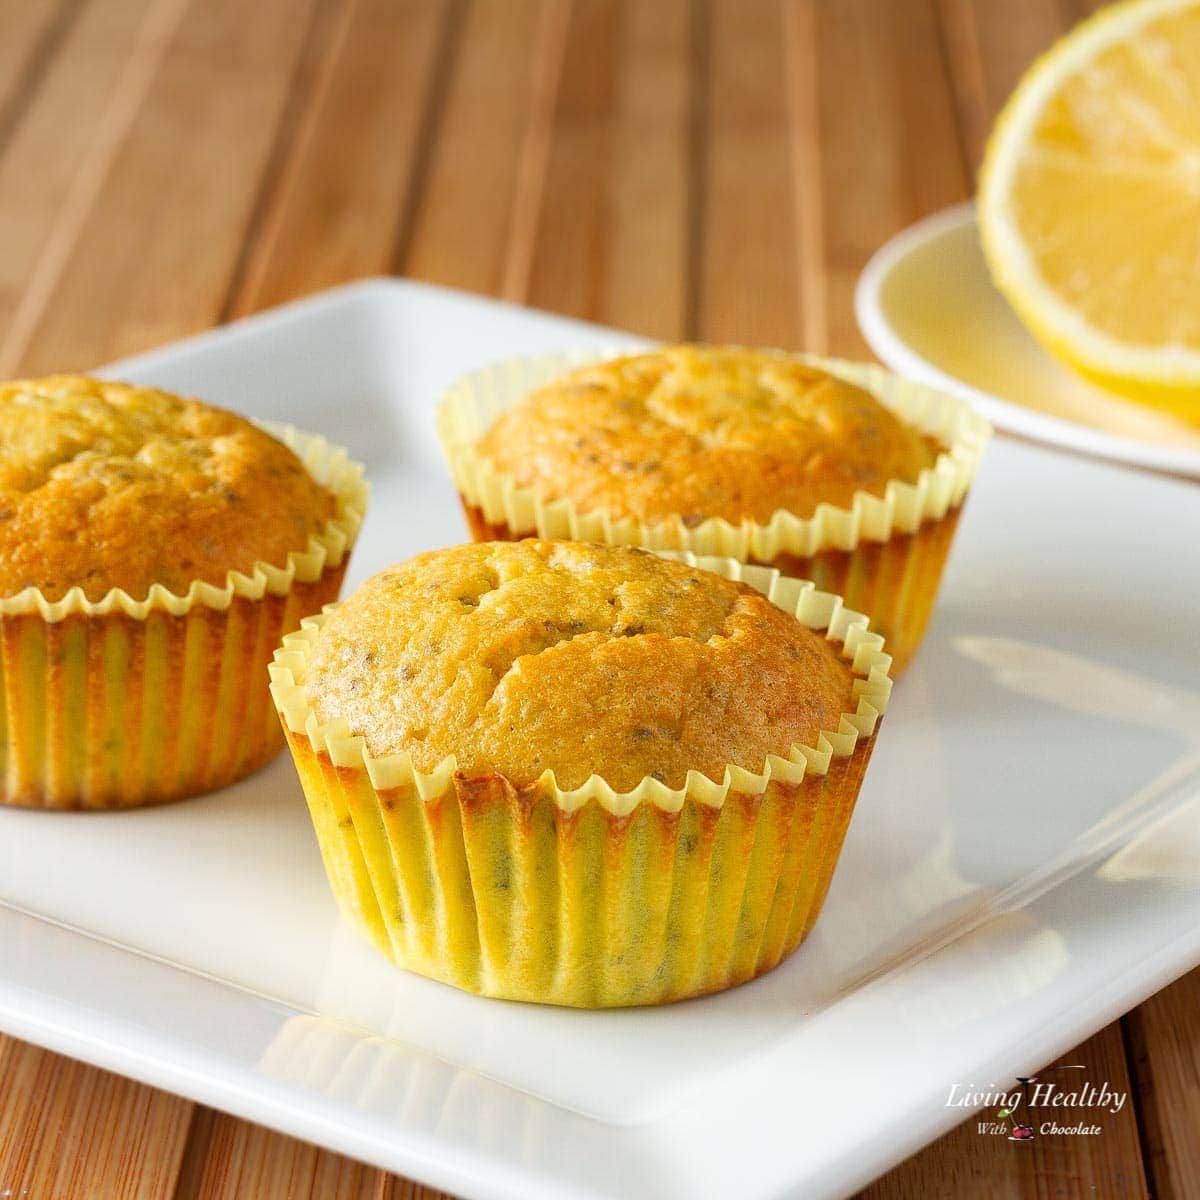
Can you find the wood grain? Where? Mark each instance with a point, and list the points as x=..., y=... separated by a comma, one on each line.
x=215, y=78
x=988, y=47
x=485, y=164
x=342, y=194
x=610, y=240
x=889, y=58
x=72, y=1132
x=77, y=103
x=1163, y=1039
x=746, y=275
x=230, y=1159
x=709, y=168
x=549, y=50
x=32, y=34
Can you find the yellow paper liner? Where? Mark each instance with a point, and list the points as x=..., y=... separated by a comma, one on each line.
x=883, y=554
x=588, y=897
x=120, y=702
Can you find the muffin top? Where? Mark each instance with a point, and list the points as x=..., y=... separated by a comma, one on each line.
x=518, y=657
x=103, y=486
x=703, y=432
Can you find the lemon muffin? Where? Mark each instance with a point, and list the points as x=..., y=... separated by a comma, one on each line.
x=827, y=471
x=153, y=550
x=581, y=774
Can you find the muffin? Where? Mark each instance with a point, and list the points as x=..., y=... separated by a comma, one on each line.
x=153, y=551
x=581, y=774
x=825, y=470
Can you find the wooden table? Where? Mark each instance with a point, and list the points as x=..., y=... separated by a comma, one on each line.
x=717, y=170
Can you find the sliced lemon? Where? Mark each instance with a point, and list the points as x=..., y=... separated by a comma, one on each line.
x=1089, y=201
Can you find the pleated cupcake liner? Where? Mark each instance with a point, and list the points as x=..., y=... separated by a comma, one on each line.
x=121, y=702
x=883, y=554
x=588, y=897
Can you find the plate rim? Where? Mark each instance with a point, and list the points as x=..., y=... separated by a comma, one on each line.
x=138, y=1053
x=896, y=353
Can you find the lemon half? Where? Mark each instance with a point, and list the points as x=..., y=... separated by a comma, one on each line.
x=1089, y=201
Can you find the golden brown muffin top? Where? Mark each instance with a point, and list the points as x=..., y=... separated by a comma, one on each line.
x=104, y=485
x=703, y=432
x=518, y=657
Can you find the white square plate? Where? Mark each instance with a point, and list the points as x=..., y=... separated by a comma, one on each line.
x=1024, y=864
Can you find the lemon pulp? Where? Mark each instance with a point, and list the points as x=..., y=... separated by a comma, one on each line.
x=1090, y=201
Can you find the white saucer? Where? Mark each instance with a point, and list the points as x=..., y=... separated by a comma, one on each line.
x=927, y=307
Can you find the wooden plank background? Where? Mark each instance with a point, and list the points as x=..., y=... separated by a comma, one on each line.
x=715, y=169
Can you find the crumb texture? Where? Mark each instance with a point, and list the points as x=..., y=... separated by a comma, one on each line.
x=104, y=485
x=704, y=432
x=518, y=657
